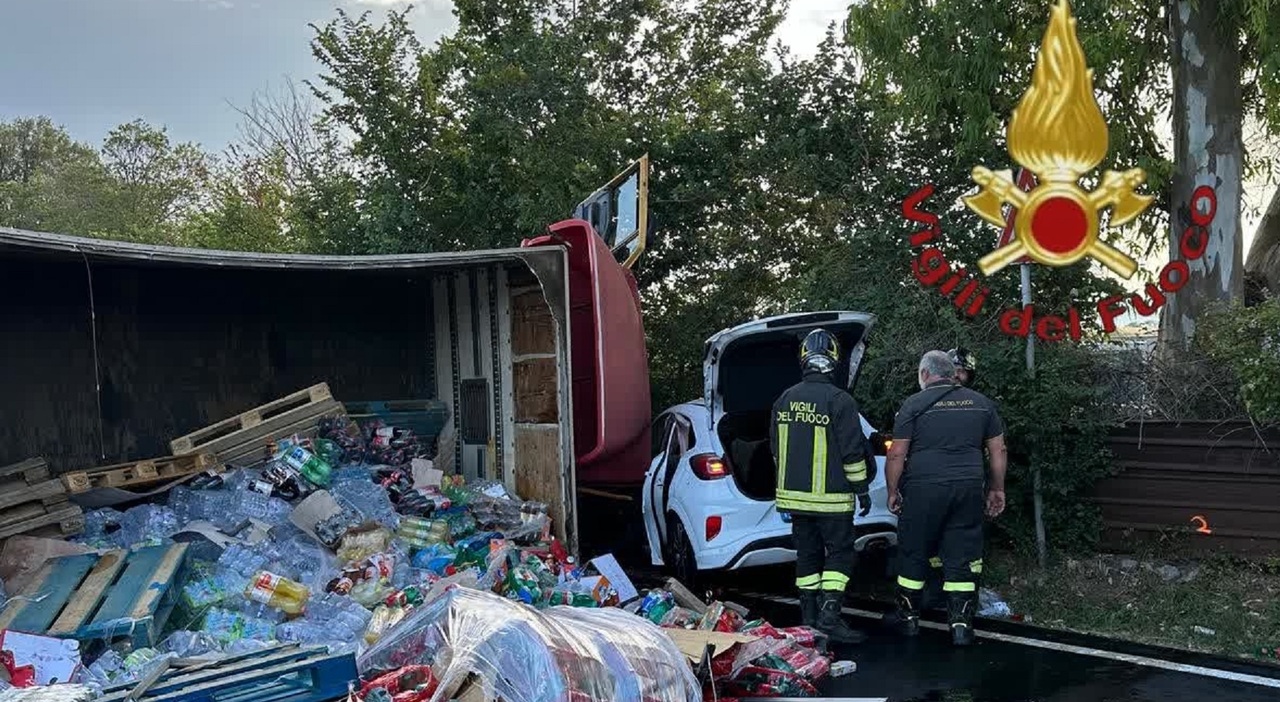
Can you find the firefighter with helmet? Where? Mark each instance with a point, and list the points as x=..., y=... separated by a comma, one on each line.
x=966, y=365
x=824, y=474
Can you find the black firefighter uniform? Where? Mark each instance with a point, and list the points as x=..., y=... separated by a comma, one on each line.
x=821, y=455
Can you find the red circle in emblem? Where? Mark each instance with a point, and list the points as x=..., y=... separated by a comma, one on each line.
x=1059, y=225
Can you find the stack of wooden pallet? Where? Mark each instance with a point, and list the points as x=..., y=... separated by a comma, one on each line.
x=140, y=474
x=34, y=502
x=250, y=436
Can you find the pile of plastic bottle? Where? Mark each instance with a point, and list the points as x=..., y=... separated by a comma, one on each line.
x=353, y=576
x=369, y=579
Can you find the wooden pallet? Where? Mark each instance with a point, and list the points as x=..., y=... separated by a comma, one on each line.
x=257, y=423
x=264, y=447
x=139, y=473
x=287, y=673
x=30, y=471
x=31, y=500
x=120, y=594
x=60, y=519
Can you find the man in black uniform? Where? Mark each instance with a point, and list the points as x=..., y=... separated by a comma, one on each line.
x=821, y=455
x=938, y=437
x=966, y=368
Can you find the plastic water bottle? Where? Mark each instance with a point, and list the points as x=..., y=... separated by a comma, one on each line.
x=311, y=466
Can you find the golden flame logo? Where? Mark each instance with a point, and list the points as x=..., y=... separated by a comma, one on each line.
x=1058, y=133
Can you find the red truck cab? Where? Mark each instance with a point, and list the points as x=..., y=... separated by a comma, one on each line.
x=608, y=361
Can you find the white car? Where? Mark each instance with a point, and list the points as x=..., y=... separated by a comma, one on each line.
x=708, y=509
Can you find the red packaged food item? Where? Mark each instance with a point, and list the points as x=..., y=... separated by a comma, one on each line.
x=796, y=656
x=722, y=665
x=560, y=554
x=764, y=629
x=804, y=636
x=816, y=669
x=729, y=621
x=416, y=680
x=755, y=681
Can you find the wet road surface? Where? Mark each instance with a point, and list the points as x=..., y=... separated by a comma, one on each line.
x=929, y=669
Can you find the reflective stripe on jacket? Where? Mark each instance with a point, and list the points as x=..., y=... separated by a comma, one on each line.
x=818, y=447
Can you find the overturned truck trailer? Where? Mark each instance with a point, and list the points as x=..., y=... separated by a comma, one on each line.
x=113, y=349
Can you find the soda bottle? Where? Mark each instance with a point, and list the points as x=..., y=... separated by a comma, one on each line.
x=311, y=466
x=274, y=591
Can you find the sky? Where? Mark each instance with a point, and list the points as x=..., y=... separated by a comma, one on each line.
x=93, y=64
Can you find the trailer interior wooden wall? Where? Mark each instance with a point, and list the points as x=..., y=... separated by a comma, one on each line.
x=107, y=358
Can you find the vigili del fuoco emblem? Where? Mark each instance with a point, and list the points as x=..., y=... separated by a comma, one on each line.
x=1058, y=133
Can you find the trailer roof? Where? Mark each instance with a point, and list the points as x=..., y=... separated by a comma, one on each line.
x=34, y=242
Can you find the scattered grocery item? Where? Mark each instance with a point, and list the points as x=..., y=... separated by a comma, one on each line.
x=339, y=555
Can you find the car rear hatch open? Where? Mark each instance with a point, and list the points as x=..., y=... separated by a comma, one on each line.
x=748, y=366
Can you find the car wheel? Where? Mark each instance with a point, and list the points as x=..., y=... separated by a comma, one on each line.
x=679, y=557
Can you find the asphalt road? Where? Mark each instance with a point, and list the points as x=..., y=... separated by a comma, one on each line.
x=999, y=668
x=929, y=669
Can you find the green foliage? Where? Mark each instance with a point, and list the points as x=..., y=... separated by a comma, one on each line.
x=1247, y=340
x=139, y=187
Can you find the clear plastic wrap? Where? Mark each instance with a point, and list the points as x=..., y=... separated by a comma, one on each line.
x=526, y=655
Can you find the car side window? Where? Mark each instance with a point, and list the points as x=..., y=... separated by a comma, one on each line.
x=675, y=441
x=683, y=434
x=660, y=435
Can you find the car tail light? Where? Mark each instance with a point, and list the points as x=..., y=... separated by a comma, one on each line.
x=881, y=443
x=709, y=466
x=713, y=527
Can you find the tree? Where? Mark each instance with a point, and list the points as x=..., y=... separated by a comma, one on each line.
x=153, y=184
x=1225, y=55
x=281, y=187
x=502, y=127
x=952, y=72
x=1208, y=124
x=138, y=188
x=47, y=181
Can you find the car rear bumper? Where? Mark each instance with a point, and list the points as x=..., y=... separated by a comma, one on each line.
x=767, y=551
x=781, y=549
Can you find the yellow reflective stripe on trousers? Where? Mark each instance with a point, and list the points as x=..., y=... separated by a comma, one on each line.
x=975, y=566
x=910, y=584
x=832, y=580
x=819, y=466
x=782, y=453
x=856, y=472
x=935, y=562
x=809, y=582
x=959, y=587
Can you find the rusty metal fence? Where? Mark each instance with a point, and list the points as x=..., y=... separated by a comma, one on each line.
x=1213, y=486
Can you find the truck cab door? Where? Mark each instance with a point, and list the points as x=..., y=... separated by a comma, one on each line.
x=619, y=212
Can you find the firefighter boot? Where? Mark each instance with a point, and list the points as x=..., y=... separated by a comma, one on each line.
x=809, y=606
x=831, y=624
x=960, y=608
x=908, y=614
